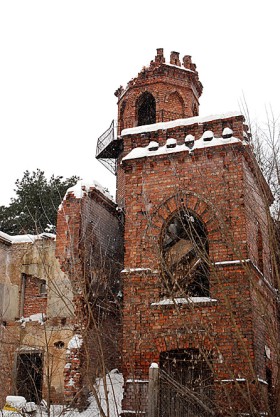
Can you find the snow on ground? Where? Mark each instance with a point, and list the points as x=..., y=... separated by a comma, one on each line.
x=114, y=382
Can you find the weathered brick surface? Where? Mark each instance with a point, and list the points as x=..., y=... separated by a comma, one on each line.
x=225, y=189
x=90, y=250
x=176, y=91
x=34, y=301
x=23, y=268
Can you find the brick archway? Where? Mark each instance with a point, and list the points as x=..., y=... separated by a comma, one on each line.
x=193, y=202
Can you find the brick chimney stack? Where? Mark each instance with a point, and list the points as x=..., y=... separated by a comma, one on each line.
x=174, y=58
x=160, y=56
x=187, y=61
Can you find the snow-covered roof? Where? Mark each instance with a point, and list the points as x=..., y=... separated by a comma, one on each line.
x=25, y=238
x=82, y=187
x=179, y=122
x=177, y=66
x=165, y=150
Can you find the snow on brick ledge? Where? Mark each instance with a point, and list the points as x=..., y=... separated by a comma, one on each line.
x=82, y=187
x=165, y=150
x=189, y=300
x=179, y=122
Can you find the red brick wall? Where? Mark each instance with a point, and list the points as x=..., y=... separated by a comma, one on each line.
x=176, y=90
x=90, y=250
x=179, y=133
x=213, y=183
x=34, y=301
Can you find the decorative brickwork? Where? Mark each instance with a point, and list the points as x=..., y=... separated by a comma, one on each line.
x=175, y=88
x=201, y=168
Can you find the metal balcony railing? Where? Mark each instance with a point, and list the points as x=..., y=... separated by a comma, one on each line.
x=109, y=145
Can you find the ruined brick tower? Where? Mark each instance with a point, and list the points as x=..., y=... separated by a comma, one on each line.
x=199, y=296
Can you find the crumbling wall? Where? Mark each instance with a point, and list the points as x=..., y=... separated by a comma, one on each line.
x=89, y=248
x=38, y=316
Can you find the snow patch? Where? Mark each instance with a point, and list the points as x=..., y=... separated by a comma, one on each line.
x=111, y=388
x=179, y=122
x=127, y=270
x=181, y=68
x=16, y=401
x=206, y=141
x=26, y=238
x=233, y=380
x=83, y=187
x=236, y=262
x=39, y=317
x=143, y=381
x=189, y=300
x=262, y=381
x=154, y=365
x=76, y=342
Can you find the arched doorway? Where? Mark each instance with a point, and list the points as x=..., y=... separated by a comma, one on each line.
x=186, y=384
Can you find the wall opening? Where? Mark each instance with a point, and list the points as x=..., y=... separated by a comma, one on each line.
x=186, y=382
x=29, y=376
x=146, y=109
x=184, y=256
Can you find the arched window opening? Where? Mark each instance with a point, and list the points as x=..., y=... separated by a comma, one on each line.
x=146, y=109
x=184, y=255
x=260, y=249
x=186, y=383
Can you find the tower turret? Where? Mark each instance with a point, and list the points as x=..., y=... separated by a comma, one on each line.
x=161, y=92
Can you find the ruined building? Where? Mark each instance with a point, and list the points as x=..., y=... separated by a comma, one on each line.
x=200, y=298
x=175, y=282
x=36, y=318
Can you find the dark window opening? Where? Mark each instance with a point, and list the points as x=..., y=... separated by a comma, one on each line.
x=63, y=321
x=146, y=109
x=186, y=382
x=185, y=257
x=59, y=344
x=30, y=376
x=270, y=396
x=43, y=287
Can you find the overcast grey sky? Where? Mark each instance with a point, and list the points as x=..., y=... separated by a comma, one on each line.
x=62, y=60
